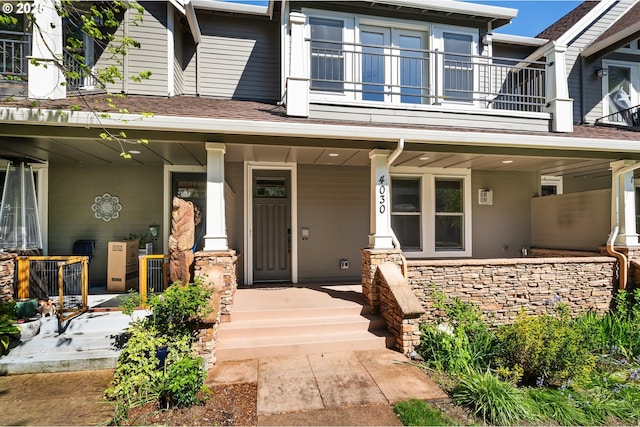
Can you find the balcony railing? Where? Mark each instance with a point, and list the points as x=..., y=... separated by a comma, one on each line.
x=15, y=47
x=629, y=117
x=78, y=76
x=415, y=76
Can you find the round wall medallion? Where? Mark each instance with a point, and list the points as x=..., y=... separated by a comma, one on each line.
x=107, y=207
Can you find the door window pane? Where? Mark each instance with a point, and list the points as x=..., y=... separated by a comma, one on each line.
x=327, y=56
x=373, y=75
x=411, y=69
x=458, y=70
x=619, y=81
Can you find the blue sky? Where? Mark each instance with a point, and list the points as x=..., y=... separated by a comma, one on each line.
x=533, y=15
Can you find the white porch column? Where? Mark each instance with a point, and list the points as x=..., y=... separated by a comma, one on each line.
x=45, y=79
x=380, y=212
x=298, y=77
x=215, y=238
x=557, y=91
x=623, y=204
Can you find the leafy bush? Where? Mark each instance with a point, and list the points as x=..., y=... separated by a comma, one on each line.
x=184, y=380
x=547, y=349
x=493, y=400
x=460, y=341
x=140, y=376
x=7, y=329
x=180, y=305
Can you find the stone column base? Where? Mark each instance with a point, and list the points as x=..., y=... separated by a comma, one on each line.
x=371, y=259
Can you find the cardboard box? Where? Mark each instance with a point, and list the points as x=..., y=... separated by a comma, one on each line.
x=122, y=266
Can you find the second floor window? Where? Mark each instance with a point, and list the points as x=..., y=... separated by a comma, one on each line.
x=327, y=55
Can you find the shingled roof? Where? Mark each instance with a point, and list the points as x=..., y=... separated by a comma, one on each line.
x=562, y=25
x=631, y=17
x=203, y=107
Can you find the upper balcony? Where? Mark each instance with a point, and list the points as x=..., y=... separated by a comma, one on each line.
x=397, y=75
x=419, y=74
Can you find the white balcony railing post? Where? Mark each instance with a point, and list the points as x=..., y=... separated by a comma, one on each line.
x=297, y=95
x=557, y=91
x=45, y=77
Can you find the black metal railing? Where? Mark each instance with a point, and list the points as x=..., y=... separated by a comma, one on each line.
x=78, y=75
x=15, y=48
x=629, y=117
x=418, y=76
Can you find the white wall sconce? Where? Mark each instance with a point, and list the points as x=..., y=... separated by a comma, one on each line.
x=601, y=72
x=485, y=196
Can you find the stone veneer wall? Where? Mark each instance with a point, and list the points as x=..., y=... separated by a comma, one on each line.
x=220, y=268
x=371, y=259
x=399, y=307
x=502, y=287
x=7, y=276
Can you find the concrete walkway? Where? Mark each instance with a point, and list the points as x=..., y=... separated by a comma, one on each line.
x=342, y=388
x=336, y=387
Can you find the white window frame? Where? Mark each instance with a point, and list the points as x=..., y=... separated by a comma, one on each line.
x=430, y=33
x=635, y=83
x=428, y=178
x=633, y=49
x=438, y=44
x=551, y=181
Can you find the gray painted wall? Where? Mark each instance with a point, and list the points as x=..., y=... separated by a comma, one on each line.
x=592, y=86
x=333, y=201
x=579, y=221
x=72, y=190
x=239, y=59
x=152, y=35
x=502, y=229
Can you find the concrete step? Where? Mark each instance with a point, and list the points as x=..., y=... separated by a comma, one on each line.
x=286, y=326
x=244, y=348
x=299, y=321
x=289, y=314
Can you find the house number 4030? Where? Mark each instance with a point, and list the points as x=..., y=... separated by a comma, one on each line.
x=381, y=191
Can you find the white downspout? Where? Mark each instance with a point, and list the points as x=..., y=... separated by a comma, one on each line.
x=394, y=239
x=622, y=258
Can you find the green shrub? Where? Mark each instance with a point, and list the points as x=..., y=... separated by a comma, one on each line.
x=140, y=377
x=7, y=328
x=546, y=348
x=416, y=412
x=459, y=341
x=493, y=400
x=554, y=405
x=179, y=306
x=184, y=380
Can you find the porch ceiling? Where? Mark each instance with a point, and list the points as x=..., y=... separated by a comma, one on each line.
x=71, y=149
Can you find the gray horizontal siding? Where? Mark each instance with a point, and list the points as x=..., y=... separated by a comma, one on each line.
x=591, y=103
x=151, y=33
x=239, y=59
x=467, y=119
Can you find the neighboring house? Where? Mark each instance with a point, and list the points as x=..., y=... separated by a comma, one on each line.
x=307, y=131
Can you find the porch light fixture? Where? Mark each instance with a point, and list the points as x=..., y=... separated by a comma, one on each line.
x=334, y=154
x=485, y=196
x=423, y=158
x=601, y=72
x=153, y=230
x=507, y=162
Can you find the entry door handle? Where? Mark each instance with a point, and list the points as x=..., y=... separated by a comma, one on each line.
x=288, y=240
